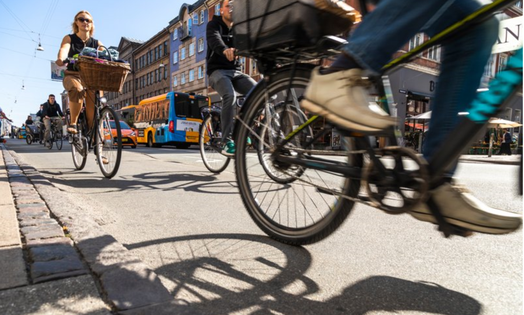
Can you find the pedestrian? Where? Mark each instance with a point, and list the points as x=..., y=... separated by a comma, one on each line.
x=224, y=72
x=505, y=146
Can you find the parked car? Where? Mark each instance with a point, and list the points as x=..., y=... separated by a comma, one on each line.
x=128, y=134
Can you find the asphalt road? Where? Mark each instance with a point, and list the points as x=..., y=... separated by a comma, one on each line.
x=190, y=227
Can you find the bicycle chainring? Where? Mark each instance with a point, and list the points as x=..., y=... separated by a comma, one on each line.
x=400, y=183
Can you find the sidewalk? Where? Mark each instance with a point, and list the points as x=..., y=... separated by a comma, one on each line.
x=62, y=262
x=513, y=159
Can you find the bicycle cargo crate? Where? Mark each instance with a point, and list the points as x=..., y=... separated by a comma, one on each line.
x=102, y=75
x=260, y=26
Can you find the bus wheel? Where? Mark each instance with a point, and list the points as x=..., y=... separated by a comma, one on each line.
x=149, y=140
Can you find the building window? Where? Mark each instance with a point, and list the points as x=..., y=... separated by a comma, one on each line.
x=201, y=44
x=183, y=53
x=191, y=75
x=415, y=41
x=217, y=9
x=175, y=57
x=156, y=76
x=200, y=72
x=434, y=53
x=156, y=53
x=202, y=16
x=183, y=78
x=175, y=34
x=195, y=18
x=191, y=49
x=160, y=52
x=175, y=81
x=165, y=48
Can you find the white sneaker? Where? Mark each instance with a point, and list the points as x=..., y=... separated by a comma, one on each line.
x=341, y=98
x=461, y=208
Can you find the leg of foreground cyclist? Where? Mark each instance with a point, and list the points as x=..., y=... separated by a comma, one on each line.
x=371, y=46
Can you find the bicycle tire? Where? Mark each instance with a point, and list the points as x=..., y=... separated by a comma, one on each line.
x=108, y=142
x=51, y=138
x=79, y=152
x=277, y=207
x=29, y=139
x=213, y=160
x=59, y=139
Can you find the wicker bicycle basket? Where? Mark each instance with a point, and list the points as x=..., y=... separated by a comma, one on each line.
x=102, y=75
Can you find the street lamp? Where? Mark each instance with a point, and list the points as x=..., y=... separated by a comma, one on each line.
x=39, y=48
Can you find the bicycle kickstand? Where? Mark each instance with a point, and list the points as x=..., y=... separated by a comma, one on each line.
x=443, y=226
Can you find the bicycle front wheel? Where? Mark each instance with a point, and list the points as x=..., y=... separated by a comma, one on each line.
x=209, y=143
x=290, y=203
x=51, y=139
x=59, y=139
x=79, y=150
x=108, y=142
x=29, y=138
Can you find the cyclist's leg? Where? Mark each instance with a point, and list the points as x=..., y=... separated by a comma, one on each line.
x=90, y=107
x=371, y=46
x=462, y=67
x=76, y=93
x=47, y=123
x=220, y=81
x=243, y=83
x=463, y=62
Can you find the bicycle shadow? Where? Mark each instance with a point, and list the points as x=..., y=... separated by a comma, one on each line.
x=229, y=273
x=164, y=181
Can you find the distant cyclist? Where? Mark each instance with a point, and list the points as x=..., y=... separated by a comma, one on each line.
x=224, y=72
x=40, y=123
x=52, y=112
x=338, y=93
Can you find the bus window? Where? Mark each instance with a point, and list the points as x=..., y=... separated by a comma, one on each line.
x=188, y=106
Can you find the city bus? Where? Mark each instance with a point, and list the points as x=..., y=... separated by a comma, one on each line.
x=169, y=119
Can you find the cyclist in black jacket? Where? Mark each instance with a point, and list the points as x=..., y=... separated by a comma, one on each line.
x=52, y=111
x=224, y=72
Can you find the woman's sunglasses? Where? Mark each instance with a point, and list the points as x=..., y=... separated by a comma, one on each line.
x=84, y=20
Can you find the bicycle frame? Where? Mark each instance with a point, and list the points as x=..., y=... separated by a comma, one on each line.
x=505, y=84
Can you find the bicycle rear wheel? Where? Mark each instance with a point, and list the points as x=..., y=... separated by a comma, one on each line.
x=79, y=151
x=209, y=143
x=29, y=138
x=108, y=142
x=290, y=203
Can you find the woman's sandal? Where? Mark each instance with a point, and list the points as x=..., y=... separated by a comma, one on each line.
x=72, y=129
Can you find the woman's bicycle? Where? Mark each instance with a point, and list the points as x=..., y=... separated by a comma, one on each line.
x=299, y=195
x=104, y=137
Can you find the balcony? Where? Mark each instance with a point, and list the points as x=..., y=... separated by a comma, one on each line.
x=184, y=32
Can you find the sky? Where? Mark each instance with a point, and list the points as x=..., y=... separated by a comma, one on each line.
x=23, y=23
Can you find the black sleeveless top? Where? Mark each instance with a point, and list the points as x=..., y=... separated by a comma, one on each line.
x=77, y=44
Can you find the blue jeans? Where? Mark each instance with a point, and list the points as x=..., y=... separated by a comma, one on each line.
x=226, y=82
x=394, y=22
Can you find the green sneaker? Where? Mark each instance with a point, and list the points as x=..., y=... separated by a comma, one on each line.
x=229, y=148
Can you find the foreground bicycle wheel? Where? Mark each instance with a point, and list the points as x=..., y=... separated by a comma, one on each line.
x=208, y=142
x=51, y=139
x=108, y=142
x=29, y=138
x=291, y=204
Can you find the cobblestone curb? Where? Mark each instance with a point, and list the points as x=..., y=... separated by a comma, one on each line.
x=49, y=254
x=125, y=282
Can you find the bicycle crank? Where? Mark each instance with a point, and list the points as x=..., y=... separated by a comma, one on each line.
x=399, y=183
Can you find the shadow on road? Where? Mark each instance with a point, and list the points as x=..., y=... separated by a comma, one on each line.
x=230, y=273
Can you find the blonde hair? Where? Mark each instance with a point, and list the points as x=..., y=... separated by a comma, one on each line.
x=75, y=27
